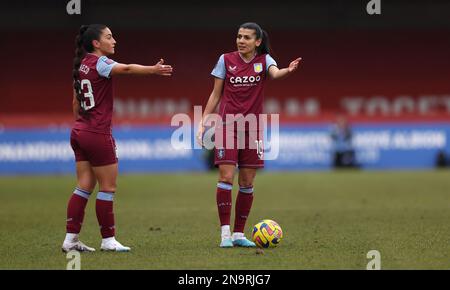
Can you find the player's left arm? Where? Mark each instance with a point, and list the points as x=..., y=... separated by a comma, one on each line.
x=275, y=73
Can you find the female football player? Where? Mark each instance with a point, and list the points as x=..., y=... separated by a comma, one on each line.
x=91, y=137
x=239, y=79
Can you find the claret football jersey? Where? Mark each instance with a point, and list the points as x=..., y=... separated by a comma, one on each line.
x=96, y=93
x=243, y=91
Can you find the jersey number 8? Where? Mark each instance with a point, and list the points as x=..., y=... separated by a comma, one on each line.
x=88, y=95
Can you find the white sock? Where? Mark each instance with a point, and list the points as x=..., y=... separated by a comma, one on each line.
x=238, y=236
x=71, y=237
x=226, y=233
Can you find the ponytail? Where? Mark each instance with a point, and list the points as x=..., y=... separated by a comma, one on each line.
x=265, y=44
x=264, y=47
x=79, y=54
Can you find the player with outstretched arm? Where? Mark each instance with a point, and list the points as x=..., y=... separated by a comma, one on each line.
x=239, y=79
x=91, y=136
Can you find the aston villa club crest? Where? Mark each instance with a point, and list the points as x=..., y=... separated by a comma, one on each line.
x=220, y=153
x=258, y=67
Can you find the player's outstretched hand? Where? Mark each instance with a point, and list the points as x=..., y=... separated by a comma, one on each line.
x=163, y=69
x=294, y=65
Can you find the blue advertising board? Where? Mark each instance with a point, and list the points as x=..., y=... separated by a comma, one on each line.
x=301, y=147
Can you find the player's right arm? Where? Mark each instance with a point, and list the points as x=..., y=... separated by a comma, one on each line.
x=135, y=69
x=219, y=73
x=211, y=106
x=214, y=98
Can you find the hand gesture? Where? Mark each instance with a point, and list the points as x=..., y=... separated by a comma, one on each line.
x=163, y=69
x=294, y=65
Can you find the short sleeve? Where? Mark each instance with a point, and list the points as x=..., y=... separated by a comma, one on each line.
x=104, y=66
x=219, y=70
x=269, y=62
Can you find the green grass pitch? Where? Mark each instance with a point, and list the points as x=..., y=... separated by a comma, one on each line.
x=331, y=220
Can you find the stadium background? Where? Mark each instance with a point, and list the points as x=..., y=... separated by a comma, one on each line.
x=388, y=73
